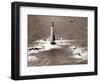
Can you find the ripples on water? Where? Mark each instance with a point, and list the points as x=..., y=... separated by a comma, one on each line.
x=64, y=52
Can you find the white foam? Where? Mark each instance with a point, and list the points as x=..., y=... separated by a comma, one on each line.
x=32, y=58
x=45, y=45
x=83, y=53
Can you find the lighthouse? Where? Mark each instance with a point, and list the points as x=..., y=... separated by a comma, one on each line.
x=52, y=35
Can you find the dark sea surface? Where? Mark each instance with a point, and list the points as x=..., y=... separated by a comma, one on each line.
x=59, y=56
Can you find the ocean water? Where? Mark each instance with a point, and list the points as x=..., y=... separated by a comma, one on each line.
x=64, y=52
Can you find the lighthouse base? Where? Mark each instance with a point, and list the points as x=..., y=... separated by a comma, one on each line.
x=53, y=43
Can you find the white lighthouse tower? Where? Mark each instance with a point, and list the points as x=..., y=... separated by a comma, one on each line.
x=52, y=36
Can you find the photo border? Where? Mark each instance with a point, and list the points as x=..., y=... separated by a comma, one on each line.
x=15, y=40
